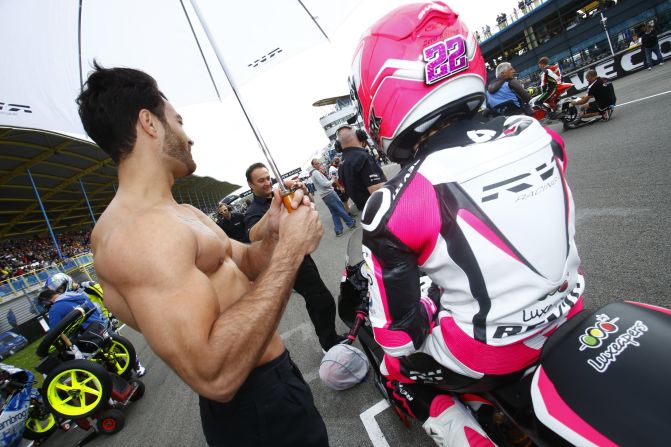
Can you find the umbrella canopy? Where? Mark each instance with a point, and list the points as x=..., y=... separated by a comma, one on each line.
x=55, y=42
x=69, y=174
x=52, y=49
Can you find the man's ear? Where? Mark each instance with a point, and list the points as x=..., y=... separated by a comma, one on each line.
x=148, y=122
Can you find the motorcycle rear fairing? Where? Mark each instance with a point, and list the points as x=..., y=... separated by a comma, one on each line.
x=604, y=379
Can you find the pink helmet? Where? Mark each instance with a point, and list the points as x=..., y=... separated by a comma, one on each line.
x=413, y=66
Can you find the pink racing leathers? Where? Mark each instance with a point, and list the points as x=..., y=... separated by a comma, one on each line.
x=485, y=211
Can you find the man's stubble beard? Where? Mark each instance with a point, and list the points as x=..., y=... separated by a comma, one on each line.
x=178, y=148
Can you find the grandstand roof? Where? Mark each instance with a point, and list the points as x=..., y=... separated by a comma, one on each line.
x=58, y=163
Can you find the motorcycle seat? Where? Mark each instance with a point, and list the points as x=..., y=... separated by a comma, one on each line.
x=602, y=376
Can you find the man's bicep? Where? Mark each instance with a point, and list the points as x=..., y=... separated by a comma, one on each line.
x=175, y=309
x=171, y=301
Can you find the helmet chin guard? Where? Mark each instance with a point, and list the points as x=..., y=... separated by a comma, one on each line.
x=416, y=66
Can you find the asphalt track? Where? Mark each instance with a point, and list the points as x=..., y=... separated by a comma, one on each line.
x=619, y=173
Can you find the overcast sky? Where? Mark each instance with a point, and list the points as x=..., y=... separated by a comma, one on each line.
x=280, y=100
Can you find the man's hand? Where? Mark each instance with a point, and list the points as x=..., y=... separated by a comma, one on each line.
x=277, y=208
x=301, y=229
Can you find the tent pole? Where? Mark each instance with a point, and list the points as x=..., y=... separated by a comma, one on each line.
x=86, y=197
x=44, y=213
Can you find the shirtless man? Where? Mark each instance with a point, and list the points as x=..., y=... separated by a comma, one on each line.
x=173, y=274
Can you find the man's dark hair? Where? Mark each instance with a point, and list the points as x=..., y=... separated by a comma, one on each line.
x=248, y=172
x=544, y=60
x=337, y=146
x=109, y=104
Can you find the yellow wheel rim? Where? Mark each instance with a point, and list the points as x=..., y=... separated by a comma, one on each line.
x=74, y=392
x=41, y=425
x=119, y=356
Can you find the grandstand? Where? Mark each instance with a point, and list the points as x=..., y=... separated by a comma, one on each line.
x=571, y=32
x=54, y=186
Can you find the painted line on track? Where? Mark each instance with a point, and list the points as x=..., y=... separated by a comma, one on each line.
x=303, y=328
x=642, y=99
x=370, y=424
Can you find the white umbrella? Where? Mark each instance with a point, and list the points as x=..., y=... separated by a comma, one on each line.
x=55, y=41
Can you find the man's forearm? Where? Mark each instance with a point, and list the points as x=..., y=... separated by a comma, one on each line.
x=241, y=334
x=258, y=255
x=375, y=187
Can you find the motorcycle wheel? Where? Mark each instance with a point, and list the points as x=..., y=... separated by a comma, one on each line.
x=111, y=421
x=40, y=423
x=68, y=326
x=119, y=355
x=77, y=388
x=570, y=116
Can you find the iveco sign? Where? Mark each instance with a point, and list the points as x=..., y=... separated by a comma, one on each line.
x=620, y=65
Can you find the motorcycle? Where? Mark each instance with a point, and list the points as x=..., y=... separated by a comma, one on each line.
x=541, y=112
x=573, y=119
x=602, y=377
x=88, y=374
x=23, y=413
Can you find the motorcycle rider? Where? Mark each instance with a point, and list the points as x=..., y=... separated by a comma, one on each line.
x=505, y=95
x=600, y=97
x=497, y=222
x=62, y=294
x=550, y=78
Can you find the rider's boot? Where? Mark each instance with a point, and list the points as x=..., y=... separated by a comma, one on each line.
x=451, y=424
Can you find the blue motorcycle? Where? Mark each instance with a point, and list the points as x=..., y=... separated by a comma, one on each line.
x=23, y=413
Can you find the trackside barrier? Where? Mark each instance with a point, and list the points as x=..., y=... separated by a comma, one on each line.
x=14, y=287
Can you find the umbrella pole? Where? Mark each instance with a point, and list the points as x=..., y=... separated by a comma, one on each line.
x=264, y=148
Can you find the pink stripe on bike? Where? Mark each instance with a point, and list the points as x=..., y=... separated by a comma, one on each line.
x=560, y=411
x=486, y=232
x=651, y=307
x=416, y=218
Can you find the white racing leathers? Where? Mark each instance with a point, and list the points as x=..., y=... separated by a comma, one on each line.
x=485, y=211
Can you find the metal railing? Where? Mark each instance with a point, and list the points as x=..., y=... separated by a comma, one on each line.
x=29, y=281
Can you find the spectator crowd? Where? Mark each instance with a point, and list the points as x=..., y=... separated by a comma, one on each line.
x=22, y=256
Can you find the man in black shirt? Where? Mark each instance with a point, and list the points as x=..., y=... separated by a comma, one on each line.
x=232, y=223
x=358, y=171
x=318, y=300
x=601, y=91
x=650, y=44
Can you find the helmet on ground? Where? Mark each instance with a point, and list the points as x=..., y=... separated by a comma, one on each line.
x=413, y=67
x=59, y=280
x=343, y=366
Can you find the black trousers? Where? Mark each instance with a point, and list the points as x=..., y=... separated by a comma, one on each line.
x=273, y=408
x=318, y=301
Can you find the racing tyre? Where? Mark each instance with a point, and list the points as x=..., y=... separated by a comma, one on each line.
x=120, y=356
x=111, y=421
x=40, y=423
x=139, y=392
x=77, y=388
x=70, y=324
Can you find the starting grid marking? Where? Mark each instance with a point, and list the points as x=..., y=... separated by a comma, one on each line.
x=370, y=424
x=642, y=99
